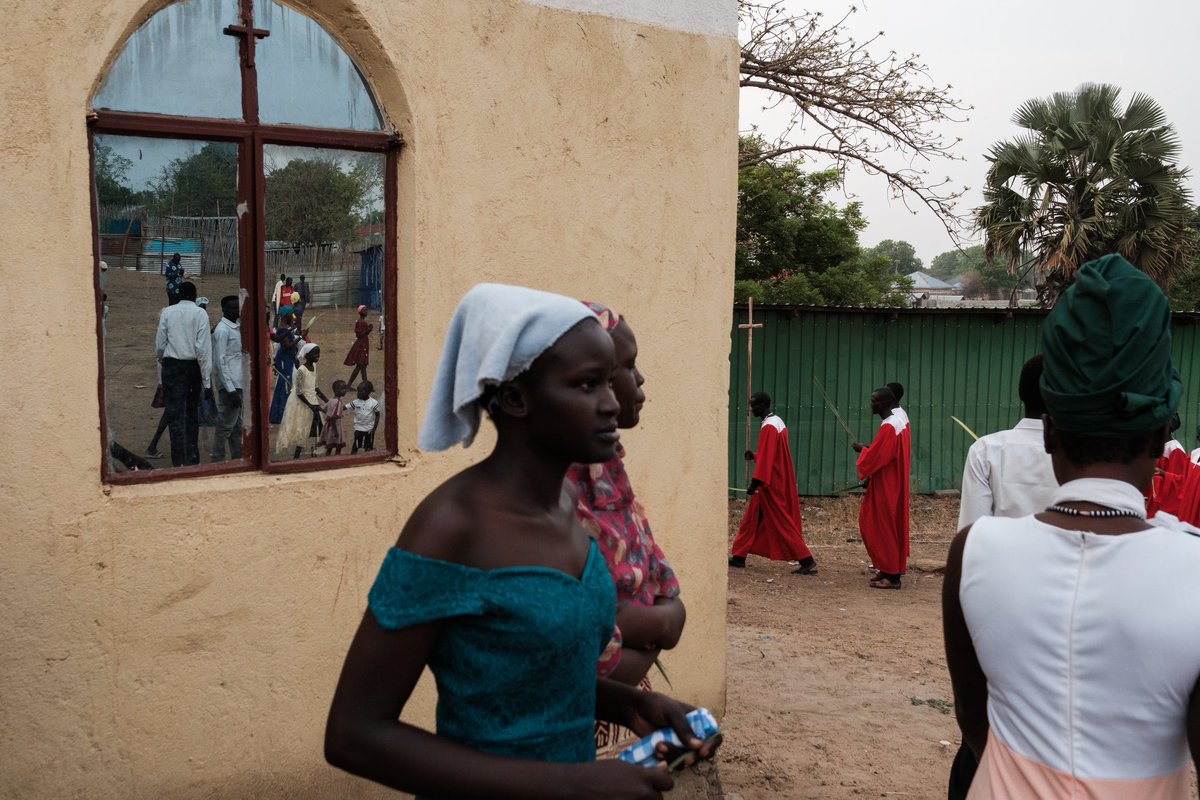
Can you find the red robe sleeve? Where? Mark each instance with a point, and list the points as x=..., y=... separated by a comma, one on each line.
x=880, y=453
x=768, y=452
x=1166, y=491
x=1189, y=504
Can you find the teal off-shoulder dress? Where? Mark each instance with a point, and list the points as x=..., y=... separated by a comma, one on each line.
x=515, y=661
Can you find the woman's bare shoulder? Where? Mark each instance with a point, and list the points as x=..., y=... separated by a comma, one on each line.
x=443, y=525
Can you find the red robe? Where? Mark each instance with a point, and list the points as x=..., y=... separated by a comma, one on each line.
x=1189, y=494
x=1166, y=492
x=883, y=518
x=771, y=527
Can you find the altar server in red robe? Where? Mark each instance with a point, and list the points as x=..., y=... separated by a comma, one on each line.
x=883, y=518
x=1170, y=473
x=1189, y=496
x=771, y=527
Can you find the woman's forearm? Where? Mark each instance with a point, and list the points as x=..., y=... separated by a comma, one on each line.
x=409, y=759
x=655, y=627
x=634, y=665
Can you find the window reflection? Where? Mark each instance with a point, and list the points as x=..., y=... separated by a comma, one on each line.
x=179, y=63
x=325, y=289
x=168, y=230
x=304, y=76
x=169, y=255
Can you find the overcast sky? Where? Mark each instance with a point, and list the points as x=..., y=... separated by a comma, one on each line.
x=997, y=55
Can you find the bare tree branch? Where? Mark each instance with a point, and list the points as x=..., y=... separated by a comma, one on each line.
x=848, y=105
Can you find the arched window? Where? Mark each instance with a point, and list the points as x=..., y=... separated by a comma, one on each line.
x=240, y=158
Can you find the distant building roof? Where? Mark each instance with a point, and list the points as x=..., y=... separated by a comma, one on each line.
x=923, y=281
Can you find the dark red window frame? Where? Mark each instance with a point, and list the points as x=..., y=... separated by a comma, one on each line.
x=250, y=135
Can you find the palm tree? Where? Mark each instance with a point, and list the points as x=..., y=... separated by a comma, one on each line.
x=1087, y=180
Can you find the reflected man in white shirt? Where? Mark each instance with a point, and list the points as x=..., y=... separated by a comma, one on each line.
x=227, y=372
x=184, y=347
x=1008, y=474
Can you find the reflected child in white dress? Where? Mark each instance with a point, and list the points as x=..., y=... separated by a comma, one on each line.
x=302, y=416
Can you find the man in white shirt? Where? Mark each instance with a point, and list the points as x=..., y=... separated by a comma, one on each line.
x=273, y=308
x=184, y=348
x=227, y=371
x=1008, y=474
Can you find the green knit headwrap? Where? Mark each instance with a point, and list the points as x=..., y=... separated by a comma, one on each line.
x=1107, y=347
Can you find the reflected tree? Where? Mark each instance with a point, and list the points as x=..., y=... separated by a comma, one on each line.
x=311, y=202
x=203, y=184
x=112, y=178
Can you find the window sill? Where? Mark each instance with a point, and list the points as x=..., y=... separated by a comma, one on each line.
x=175, y=484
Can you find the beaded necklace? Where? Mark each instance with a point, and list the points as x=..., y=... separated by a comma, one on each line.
x=1108, y=512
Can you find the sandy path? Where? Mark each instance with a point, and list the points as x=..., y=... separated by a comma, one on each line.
x=837, y=690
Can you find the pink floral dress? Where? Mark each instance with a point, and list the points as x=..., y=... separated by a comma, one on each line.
x=612, y=515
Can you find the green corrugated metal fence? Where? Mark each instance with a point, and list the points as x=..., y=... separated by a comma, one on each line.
x=961, y=362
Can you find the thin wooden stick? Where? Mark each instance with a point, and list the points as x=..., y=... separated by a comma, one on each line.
x=972, y=433
x=836, y=414
x=749, y=326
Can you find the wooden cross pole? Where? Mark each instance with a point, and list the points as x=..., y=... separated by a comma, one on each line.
x=249, y=36
x=749, y=328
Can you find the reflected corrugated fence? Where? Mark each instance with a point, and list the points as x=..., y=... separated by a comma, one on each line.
x=960, y=362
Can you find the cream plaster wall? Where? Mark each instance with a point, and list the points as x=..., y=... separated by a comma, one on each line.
x=714, y=17
x=177, y=639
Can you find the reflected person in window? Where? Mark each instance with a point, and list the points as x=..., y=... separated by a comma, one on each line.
x=305, y=291
x=228, y=367
x=360, y=352
x=366, y=418
x=302, y=417
x=288, y=339
x=173, y=272
x=184, y=348
x=273, y=307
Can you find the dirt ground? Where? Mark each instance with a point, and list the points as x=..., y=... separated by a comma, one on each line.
x=837, y=690
x=135, y=300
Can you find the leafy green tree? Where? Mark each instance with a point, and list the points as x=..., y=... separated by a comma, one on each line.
x=797, y=290
x=863, y=281
x=900, y=254
x=785, y=224
x=992, y=281
x=112, y=177
x=1184, y=289
x=369, y=171
x=203, y=184
x=744, y=290
x=1087, y=179
x=796, y=248
x=311, y=202
x=980, y=279
x=956, y=263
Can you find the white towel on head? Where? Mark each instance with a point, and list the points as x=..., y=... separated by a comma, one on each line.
x=496, y=333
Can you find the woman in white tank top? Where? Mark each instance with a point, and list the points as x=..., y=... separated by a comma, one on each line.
x=1073, y=634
